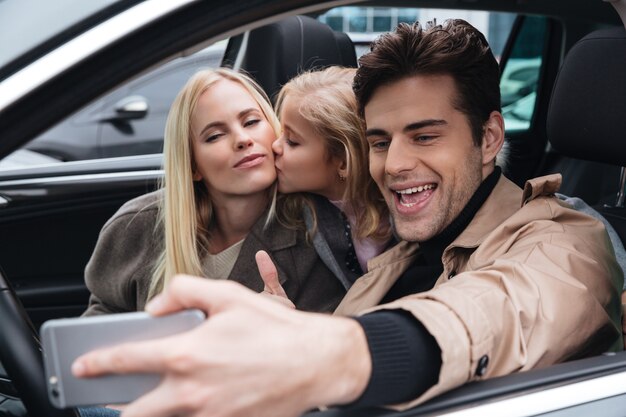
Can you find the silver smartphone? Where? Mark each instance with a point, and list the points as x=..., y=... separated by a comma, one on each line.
x=64, y=340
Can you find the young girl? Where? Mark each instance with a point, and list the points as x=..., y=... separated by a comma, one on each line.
x=214, y=209
x=322, y=151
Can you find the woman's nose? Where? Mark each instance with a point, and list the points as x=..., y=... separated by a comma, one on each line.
x=243, y=140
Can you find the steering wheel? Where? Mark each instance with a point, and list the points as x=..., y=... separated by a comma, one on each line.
x=20, y=354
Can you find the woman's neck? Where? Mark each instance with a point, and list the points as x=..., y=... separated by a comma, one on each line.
x=234, y=218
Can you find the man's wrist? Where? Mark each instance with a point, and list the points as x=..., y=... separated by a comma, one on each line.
x=346, y=364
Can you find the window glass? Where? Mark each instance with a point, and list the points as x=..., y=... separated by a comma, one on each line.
x=381, y=22
x=108, y=128
x=363, y=24
x=335, y=22
x=358, y=19
x=18, y=37
x=520, y=75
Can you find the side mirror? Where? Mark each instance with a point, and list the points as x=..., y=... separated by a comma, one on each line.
x=131, y=108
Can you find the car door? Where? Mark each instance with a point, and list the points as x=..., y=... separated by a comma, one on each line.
x=50, y=217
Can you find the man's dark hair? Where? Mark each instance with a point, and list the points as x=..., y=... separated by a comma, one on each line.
x=455, y=48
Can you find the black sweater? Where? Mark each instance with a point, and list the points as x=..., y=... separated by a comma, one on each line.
x=406, y=359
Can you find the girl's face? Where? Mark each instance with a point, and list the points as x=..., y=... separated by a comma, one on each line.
x=231, y=140
x=302, y=163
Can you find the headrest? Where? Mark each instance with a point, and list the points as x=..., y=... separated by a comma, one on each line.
x=587, y=113
x=279, y=51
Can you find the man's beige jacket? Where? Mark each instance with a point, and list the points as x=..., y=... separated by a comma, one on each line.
x=529, y=283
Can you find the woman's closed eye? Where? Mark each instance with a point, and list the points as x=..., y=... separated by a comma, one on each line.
x=251, y=122
x=213, y=136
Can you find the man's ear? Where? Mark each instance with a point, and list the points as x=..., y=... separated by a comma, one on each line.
x=493, y=137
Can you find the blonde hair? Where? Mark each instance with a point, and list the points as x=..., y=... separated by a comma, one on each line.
x=327, y=102
x=186, y=211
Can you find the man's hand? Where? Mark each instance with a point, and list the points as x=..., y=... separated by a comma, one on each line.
x=269, y=274
x=252, y=356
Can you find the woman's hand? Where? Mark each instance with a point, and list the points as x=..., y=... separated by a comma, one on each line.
x=268, y=272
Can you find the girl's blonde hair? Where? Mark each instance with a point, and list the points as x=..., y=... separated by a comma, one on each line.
x=327, y=102
x=186, y=211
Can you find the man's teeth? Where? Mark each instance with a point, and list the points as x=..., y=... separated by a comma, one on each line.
x=419, y=189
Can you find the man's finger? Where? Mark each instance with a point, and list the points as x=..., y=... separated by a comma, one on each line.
x=123, y=359
x=268, y=272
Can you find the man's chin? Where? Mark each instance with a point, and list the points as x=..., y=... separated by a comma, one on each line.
x=412, y=232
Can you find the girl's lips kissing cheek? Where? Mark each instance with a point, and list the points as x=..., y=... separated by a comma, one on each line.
x=414, y=198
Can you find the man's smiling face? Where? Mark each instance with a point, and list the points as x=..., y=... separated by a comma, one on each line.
x=422, y=155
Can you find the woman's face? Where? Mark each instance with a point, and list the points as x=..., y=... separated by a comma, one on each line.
x=302, y=163
x=232, y=141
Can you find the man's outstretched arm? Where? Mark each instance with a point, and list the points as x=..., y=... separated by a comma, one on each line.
x=251, y=356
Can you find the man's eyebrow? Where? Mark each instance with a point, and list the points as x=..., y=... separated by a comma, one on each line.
x=376, y=132
x=423, y=123
x=408, y=128
x=241, y=114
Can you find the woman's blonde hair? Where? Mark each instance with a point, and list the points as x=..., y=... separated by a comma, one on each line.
x=186, y=211
x=327, y=102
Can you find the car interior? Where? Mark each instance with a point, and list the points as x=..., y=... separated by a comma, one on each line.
x=585, y=118
x=52, y=214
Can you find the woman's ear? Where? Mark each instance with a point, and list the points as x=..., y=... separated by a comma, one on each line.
x=493, y=137
x=196, y=176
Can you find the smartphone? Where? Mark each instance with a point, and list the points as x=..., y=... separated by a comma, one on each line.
x=64, y=340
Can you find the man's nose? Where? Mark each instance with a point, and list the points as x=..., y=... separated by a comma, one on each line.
x=399, y=159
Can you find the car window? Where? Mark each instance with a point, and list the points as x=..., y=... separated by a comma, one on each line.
x=13, y=14
x=130, y=120
x=520, y=74
x=363, y=24
x=125, y=122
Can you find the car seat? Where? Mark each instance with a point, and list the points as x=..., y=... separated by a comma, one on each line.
x=587, y=112
x=275, y=53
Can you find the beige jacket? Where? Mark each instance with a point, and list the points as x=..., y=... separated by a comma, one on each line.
x=522, y=288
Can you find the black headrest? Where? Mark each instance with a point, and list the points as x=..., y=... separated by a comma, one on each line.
x=587, y=114
x=277, y=52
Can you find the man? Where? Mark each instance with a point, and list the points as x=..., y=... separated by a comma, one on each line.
x=488, y=279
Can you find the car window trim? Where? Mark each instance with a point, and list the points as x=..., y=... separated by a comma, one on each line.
x=550, y=399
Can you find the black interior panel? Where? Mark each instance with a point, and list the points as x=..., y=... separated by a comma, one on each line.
x=46, y=244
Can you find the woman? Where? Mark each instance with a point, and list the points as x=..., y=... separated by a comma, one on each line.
x=322, y=151
x=214, y=209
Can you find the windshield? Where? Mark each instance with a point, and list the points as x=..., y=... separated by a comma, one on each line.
x=18, y=38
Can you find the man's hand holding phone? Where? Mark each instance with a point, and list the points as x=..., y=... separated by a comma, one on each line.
x=252, y=356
